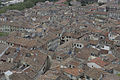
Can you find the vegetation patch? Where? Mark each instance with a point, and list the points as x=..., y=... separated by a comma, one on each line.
x=22, y=5
x=118, y=74
x=4, y=34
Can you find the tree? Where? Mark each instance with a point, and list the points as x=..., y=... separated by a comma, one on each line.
x=21, y=6
x=28, y=4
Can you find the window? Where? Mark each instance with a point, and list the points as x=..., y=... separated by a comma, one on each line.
x=27, y=55
x=71, y=76
x=7, y=53
x=96, y=35
x=69, y=66
x=3, y=60
x=93, y=54
x=63, y=40
x=102, y=46
x=62, y=37
x=60, y=58
x=57, y=57
x=87, y=77
x=73, y=66
x=102, y=37
x=44, y=69
x=9, y=61
x=80, y=46
x=59, y=34
x=74, y=44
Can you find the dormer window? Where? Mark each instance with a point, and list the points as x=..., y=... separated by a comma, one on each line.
x=87, y=77
x=71, y=76
x=27, y=55
x=80, y=46
x=60, y=58
x=62, y=37
x=24, y=66
x=3, y=60
x=74, y=44
x=102, y=46
x=73, y=66
x=69, y=66
x=85, y=26
x=92, y=54
x=102, y=37
x=67, y=36
x=96, y=35
x=57, y=57
x=97, y=46
x=7, y=53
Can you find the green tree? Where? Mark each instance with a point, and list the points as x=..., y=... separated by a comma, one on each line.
x=21, y=6
x=28, y=4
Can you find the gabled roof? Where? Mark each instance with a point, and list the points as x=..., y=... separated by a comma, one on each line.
x=117, y=68
x=3, y=47
x=117, y=38
x=36, y=60
x=109, y=58
x=95, y=73
x=110, y=66
x=98, y=61
x=22, y=41
x=75, y=63
x=48, y=38
x=6, y=66
x=111, y=77
x=21, y=76
x=50, y=75
x=9, y=53
x=85, y=53
x=73, y=71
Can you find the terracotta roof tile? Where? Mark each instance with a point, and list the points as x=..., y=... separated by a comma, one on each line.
x=99, y=62
x=73, y=71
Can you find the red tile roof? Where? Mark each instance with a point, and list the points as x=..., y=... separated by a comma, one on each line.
x=99, y=61
x=73, y=71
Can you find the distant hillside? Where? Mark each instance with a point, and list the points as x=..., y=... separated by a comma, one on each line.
x=31, y=3
x=83, y=2
x=21, y=6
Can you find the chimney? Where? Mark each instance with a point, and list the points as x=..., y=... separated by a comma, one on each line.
x=8, y=74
